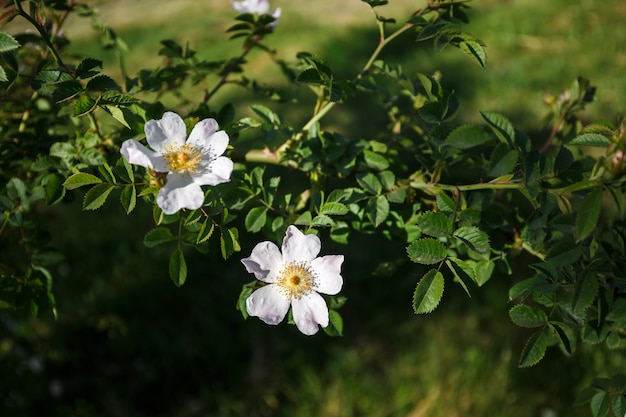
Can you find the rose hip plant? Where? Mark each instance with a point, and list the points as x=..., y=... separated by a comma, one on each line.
x=466, y=199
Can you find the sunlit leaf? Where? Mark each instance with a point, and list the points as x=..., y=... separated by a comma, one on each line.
x=534, y=350
x=96, y=196
x=435, y=224
x=426, y=251
x=527, y=316
x=428, y=292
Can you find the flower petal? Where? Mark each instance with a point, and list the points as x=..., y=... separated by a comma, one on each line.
x=310, y=312
x=264, y=259
x=268, y=304
x=168, y=131
x=300, y=247
x=213, y=172
x=218, y=142
x=137, y=154
x=328, y=271
x=201, y=133
x=179, y=192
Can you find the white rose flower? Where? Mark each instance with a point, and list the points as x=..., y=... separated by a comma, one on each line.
x=256, y=7
x=188, y=163
x=294, y=278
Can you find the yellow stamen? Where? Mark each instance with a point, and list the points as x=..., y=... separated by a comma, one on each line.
x=182, y=159
x=296, y=279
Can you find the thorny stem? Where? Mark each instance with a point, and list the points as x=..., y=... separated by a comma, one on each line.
x=232, y=65
x=42, y=32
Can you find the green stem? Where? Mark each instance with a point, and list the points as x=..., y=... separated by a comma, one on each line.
x=42, y=32
x=469, y=187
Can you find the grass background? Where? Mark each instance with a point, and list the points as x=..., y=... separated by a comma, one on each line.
x=128, y=343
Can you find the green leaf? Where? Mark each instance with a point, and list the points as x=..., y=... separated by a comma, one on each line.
x=375, y=161
x=88, y=68
x=387, y=179
x=428, y=292
x=96, y=196
x=563, y=253
x=445, y=203
x=102, y=83
x=7, y=42
x=591, y=139
x=255, y=219
x=335, y=324
x=585, y=291
x=503, y=160
x=53, y=187
x=483, y=271
x=178, y=267
x=426, y=251
x=475, y=50
x=334, y=209
x=588, y=214
x=228, y=241
x=84, y=105
x=474, y=238
x=501, y=126
x=266, y=114
x=566, y=335
x=370, y=183
x=527, y=316
x=435, y=224
x=534, y=350
x=128, y=198
x=158, y=236
x=600, y=404
x=246, y=291
x=205, y=232
x=467, y=136
x=377, y=209
x=618, y=405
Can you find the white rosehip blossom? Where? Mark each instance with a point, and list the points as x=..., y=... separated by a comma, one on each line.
x=295, y=278
x=188, y=163
x=256, y=7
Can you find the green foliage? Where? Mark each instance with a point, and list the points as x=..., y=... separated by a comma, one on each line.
x=468, y=202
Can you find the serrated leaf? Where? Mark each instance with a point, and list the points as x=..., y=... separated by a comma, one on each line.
x=591, y=139
x=426, y=251
x=102, y=83
x=588, y=214
x=265, y=113
x=228, y=241
x=445, y=203
x=377, y=209
x=585, y=291
x=205, y=232
x=475, y=50
x=178, y=267
x=333, y=209
x=534, y=350
x=128, y=198
x=527, y=316
x=255, y=219
x=158, y=236
x=563, y=253
x=467, y=136
x=600, y=404
x=501, y=126
x=484, y=270
x=618, y=405
x=88, y=67
x=96, y=196
x=375, y=161
x=84, y=105
x=428, y=292
x=435, y=224
x=7, y=42
x=566, y=335
x=78, y=180
x=474, y=238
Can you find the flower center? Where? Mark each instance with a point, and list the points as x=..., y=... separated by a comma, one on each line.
x=296, y=279
x=182, y=159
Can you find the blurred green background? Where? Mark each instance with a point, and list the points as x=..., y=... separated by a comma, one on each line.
x=129, y=343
